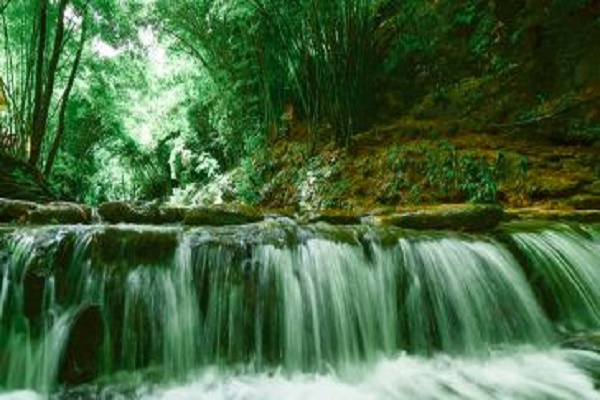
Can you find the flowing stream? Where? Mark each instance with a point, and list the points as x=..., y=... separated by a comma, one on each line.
x=281, y=311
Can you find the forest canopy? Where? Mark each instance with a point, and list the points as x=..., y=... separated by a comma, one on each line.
x=156, y=99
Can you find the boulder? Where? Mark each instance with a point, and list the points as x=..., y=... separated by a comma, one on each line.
x=221, y=216
x=60, y=213
x=34, y=284
x=81, y=360
x=584, y=202
x=15, y=210
x=171, y=215
x=588, y=341
x=118, y=245
x=581, y=216
x=463, y=217
x=333, y=217
x=149, y=213
x=49, y=253
x=119, y=211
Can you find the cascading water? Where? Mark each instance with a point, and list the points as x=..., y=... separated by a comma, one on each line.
x=565, y=265
x=276, y=310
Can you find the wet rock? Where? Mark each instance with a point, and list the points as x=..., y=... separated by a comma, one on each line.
x=465, y=217
x=34, y=285
x=15, y=210
x=149, y=213
x=114, y=391
x=52, y=213
x=129, y=246
x=278, y=233
x=81, y=360
x=48, y=255
x=169, y=215
x=583, y=341
x=281, y=214
x=222, y=216
x=582, y=216
x=60, y=213
x=332, y=217
x=584, y=202
x=350, y=234
x=115, y=212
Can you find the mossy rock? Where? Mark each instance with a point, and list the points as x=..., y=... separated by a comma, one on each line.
x=566, y=215
x=118, y=211
x=116, y=246
x=15, y=210
x=150, y=213
x=466, y=217
x=277, y=233
x=584, y=202
x=49, y=252
x=333, y=217
x=583, y=341
x=169, y=215
x=81, y=359
x=60, y=213
x=222, y=216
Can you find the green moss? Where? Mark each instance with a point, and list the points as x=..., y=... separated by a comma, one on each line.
x=462, y=218
x=222, y=216
x=127, y=246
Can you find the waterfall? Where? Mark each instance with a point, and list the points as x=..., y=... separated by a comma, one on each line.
x=259, y=309
x=565, y=267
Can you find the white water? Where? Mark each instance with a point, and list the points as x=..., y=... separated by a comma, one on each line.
x=467, y=296
x=523, y=375
x=21, y=395
x=520, y=375
x=566, y=264
x=315, y=318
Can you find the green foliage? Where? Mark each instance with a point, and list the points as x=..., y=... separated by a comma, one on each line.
x=250, y=182
x=177, y=93
x=333, y=52
x=322, y=182
x=253, y=169
x=444, y=172
x=221, y=36
x=322, y=57
x=109, y=151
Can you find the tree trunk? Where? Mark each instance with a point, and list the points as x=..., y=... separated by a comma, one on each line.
x=60, y=130
x=41, y=117
x=39, y=82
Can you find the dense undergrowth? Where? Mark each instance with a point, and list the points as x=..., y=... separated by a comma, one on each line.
x=462, y=69
x=312, y=103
